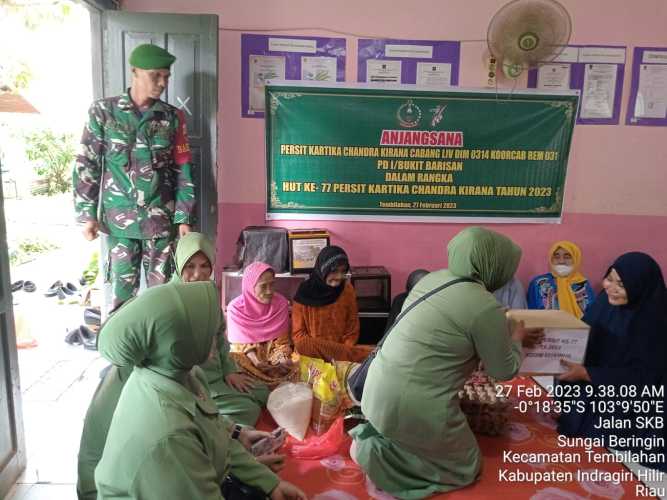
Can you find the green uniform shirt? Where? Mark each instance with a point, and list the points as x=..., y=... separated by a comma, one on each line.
x=140, y=162
x=178, y=447
x=411, y=393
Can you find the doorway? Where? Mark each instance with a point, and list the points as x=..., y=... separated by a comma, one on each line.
x=51, y=70
x=56, y=379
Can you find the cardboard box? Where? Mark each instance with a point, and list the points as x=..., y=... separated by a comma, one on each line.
x=565, y=337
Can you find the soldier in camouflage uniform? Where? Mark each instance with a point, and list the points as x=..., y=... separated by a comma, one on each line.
x=132, y=178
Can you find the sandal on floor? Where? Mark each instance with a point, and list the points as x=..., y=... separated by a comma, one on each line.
x=29, y=287
x=54, y=289
x=92, y=316
x=89, y=338
x=74, y=337
x=17, y=285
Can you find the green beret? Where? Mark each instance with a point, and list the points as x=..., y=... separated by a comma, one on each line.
x=149, y=56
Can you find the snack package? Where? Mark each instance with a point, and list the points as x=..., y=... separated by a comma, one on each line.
x=326, y=392
x=290, y=406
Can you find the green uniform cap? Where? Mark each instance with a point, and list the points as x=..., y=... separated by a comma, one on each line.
x=149, y=56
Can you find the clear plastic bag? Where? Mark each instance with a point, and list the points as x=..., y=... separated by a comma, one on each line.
x=290, y=405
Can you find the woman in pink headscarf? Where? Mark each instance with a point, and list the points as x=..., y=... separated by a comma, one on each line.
x=258, y=328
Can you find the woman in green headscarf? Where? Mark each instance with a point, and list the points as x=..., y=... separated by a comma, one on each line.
x=167, y=440
x=236, y=395
x=417, y=441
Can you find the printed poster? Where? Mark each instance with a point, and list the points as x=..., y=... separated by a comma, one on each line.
x=263, y=69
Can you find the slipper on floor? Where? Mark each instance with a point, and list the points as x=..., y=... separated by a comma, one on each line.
x=17, y=285
x=89, y=338
x=53, y=289
x=92, y=316
x=74, y=337
x=29, y=287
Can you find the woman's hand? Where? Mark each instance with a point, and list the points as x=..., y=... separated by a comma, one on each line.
x=518, y=330
x=248, y=437
x=575, y=372
x=532, y=337
x=283, y=368
x=273, y=461
x=287, y=491
x=240, y=381
x=260, y=365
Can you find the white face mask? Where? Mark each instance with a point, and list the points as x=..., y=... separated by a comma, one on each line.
x=562, y=270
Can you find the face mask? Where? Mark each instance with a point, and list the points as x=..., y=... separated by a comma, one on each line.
x=562, y=270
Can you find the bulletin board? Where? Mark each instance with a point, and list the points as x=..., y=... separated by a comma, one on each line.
x=429, y=64
x=277, y=57
x=597, y=71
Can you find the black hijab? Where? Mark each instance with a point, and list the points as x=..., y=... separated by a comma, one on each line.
x=314, y=291
x=634, y=334
x=414, y=277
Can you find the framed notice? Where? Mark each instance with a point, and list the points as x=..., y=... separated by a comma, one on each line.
x=275, y=57
x=304, y=247
x=648, y=93
x=361, y=152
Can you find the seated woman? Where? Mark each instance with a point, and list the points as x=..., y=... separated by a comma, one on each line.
x=167, y=440
x=399, y=300
x=235, y=394
x=512, y=295
x=563, y=288
x=626, y=352
x=258, y=328
x=417, y=442
x=325, y=319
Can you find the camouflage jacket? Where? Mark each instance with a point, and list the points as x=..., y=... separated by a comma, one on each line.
x=147, y=182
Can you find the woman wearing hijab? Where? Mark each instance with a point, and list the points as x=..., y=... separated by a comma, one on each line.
x=258, y=328
x=563, y=288
x=235, y=394
x=325, y=318
x=627, y=349
x=512, y=295
x=417, y=441
x=167, y=440
x=399, y=300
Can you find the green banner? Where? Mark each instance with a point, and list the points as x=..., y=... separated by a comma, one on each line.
x=380, y=154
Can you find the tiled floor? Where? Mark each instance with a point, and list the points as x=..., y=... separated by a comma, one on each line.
x=57, y=380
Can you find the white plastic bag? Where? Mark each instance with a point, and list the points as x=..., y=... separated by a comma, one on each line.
x=290, y=406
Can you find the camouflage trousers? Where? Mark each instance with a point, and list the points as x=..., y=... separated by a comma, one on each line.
x=126, y=259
